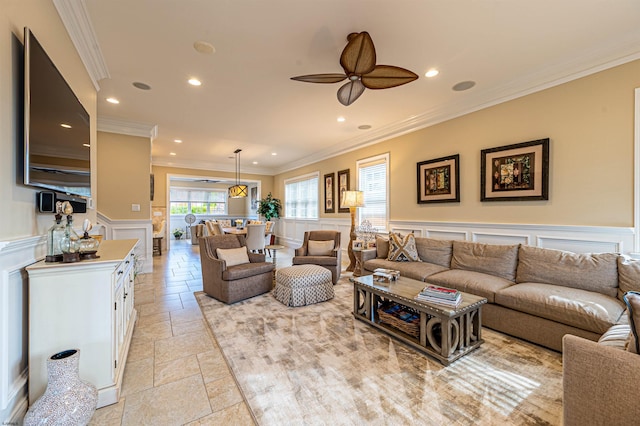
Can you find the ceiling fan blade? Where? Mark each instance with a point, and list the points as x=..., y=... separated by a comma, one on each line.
x=387, y=76
x=359, y=56
x=351, y=91
x=320, y=78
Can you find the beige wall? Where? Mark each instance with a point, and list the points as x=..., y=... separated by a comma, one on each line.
x=19, y=217
x=236, y=207
x=123, y=169
x=590, y=124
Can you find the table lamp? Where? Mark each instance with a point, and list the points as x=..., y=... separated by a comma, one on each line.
x=352, y=199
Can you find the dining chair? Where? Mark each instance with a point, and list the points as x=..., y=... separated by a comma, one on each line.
x=255, y=238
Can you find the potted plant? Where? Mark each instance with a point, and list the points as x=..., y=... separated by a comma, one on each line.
x=269, y=207
x=177, y=233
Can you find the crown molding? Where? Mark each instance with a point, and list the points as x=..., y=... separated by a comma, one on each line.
x=203, y=165
x=75, y=18
x=123, y=127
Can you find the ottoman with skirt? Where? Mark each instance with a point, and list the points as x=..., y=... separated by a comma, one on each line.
x=302, y=285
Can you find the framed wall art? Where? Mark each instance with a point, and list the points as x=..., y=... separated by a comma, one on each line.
x=439, y=180
x=517, y=172
x=343, y=185
x=329, y=191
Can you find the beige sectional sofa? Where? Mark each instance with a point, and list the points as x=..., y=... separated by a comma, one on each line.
x=545, y=296
x=535, y=294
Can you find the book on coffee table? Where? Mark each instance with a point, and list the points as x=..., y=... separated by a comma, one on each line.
x=440, y=292
x=440, y=301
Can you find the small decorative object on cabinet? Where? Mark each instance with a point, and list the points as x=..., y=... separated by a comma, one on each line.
x=88, y=246
x=86, y=305
x=54, y=236
x=68, y=400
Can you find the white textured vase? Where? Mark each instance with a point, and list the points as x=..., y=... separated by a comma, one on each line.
x=67, y=399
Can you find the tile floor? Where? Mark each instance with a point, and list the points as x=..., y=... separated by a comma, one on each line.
x=175, y=372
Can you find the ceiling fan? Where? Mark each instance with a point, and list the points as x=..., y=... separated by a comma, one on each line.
x=358, y=59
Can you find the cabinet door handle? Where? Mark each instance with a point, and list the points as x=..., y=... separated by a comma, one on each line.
x=120, y=272
x=127, y=262
x=125, y=295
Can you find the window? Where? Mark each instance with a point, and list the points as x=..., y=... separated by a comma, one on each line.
x=198, y=201
x=301, y=197
x=373, y=180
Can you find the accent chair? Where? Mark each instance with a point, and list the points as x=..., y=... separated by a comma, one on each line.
x=231, y=273
x=321, y=248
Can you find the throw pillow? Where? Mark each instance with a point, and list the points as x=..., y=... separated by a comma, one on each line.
x=632, y=299
x=235, y=256
x=320, y=248
x=403, y=249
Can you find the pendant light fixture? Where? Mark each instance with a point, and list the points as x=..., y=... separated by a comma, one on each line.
x=237, y=190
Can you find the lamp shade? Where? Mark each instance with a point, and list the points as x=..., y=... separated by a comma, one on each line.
x=238, y=191
x=353, y=199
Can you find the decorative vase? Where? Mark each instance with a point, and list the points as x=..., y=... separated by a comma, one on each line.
x=68, y=400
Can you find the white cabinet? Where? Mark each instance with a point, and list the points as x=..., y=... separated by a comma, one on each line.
x=88, y=306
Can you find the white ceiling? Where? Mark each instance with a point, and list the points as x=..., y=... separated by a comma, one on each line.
x=247, y=100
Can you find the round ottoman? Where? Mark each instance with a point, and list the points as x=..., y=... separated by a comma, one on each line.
x=302, y=285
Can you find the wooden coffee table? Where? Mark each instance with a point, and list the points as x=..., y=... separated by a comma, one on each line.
x=444, y=333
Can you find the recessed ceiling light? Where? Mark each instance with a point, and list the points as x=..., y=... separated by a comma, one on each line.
x=177, y=140
x=364, y=127
x=141, y=86
x=204, y=47
x=274, y=153
x=195, y=82
x=255, y=162
x=172, y=153
x=87, y=145
x=463, y=85
x=432, y=73
x=65, y=125
x=341, y=119
x=113, y=101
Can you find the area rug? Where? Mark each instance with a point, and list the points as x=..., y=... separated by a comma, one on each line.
x=317, y=365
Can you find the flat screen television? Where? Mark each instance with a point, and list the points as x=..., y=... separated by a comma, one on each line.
x=56, y=127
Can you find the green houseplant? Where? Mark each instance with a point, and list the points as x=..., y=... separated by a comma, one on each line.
x=269, y=207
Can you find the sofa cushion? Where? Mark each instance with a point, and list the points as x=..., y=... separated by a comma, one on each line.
x=246, y=270
x=492, y=259
x=477, y=283
x=632, y=299
x=435, y=251
x=616, y=337
x=233, y=256
x=628, y=275
x=592, y=272
x=320, y=248
x=415, y=270
x=584, y=309
x=402, y=249
x=382, y=247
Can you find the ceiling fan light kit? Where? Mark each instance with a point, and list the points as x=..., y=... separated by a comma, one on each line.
x=358, y=59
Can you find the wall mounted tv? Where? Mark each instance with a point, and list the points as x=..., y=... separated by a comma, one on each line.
x=56, y=127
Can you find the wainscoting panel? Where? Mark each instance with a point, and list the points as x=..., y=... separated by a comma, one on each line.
x=444, y=234
x=14, y=322
x=489, y=238
x=141, y=230
x=580, y=245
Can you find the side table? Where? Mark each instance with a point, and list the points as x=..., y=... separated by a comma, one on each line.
x=275, y=248
x=358, y=270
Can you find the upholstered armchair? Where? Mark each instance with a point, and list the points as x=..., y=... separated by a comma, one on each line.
x=321, y=248
x=229, y=272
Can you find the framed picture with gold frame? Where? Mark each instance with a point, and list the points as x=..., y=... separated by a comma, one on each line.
x=439, y=180
x=329, y=191
x=343, y=185
x=518, y=172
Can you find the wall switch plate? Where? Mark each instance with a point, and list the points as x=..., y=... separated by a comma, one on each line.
x=157, y=213
x=135, y=207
